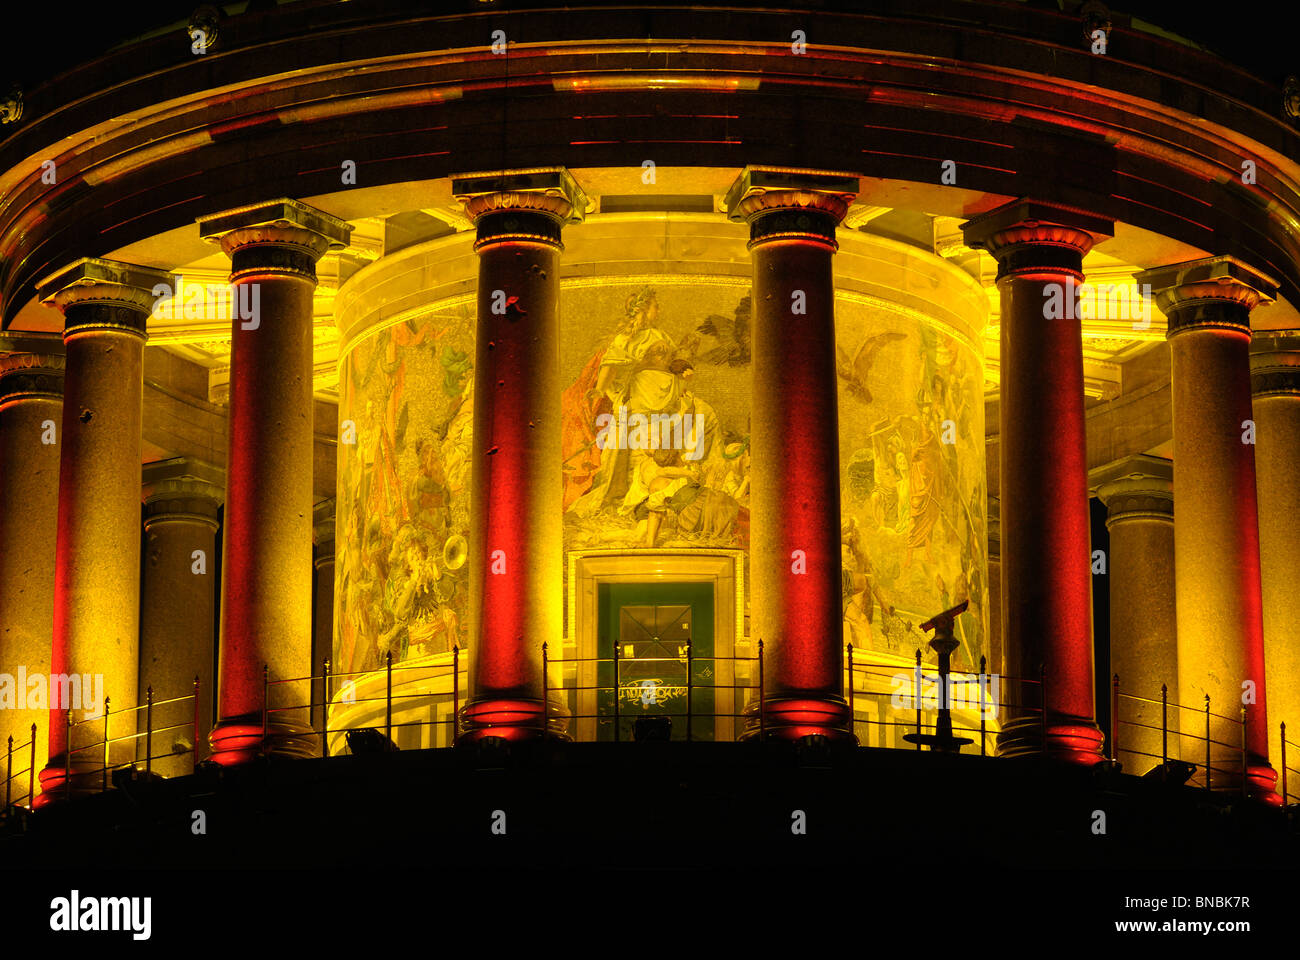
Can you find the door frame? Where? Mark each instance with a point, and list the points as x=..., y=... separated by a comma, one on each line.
x=723, y=569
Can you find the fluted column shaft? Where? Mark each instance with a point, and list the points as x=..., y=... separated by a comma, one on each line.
x=266, y=577
x=1045, y=523
x=97, y=567
x=515, y=584
x=1216, y=533
x=31, y=403
x=795, y=554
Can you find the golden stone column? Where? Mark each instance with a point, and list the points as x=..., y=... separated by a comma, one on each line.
x=795, y=552
x=516, y=554
x=1216, y=533
x=1045, y=523
x=96, y=631
x=178, y=605
x=322, y=631
x=1139, y=496
x=31, y=405
x=1275, y=384
x=266, y=575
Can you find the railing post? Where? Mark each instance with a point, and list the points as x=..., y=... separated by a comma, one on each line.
x=67, y=759
x=1114, y=718
x=762, y=698
x=455, y=694
x=617, y=690
x=388, y=695
x=546, y=720
x=194, y=753
x=327, y=695
x=919, y=679
x=31, y=769
x=689, y=673
x=1207, y=741
x=9, y=771
x=266, y=696
x=148, y=730
x=853, y=715
x=103, y=774
x=1244, y=792
x=1164, y=724
x=984, y=663
x=1283, y=762
x=1042, y=702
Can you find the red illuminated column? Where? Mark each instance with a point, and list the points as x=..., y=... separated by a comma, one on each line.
x=97, y=554
x=1046, y=536
x=266, y=569
x=31, y=404
x=515, y=584
x=795, y=516
x=1216, y=530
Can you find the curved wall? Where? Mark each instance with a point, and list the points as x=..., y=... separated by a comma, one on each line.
x=655, y=314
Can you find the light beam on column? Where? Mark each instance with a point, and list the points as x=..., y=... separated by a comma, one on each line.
x=31, y=405
x=795, y=554
x=97, y=568
x=1216, y=527
x=266, y=576
x=515, y=583
x=1045, y=523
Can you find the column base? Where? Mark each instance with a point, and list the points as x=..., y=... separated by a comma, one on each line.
x=240, y=740
x=59, y=784
x=793, y=718
x=507, y=719
x=1261, y=782
x=1068, y=739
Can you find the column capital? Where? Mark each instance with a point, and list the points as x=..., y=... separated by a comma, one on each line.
x=1135, y=487
x=521, y=205
x=1211, y=292
x=282, y=236
x=31, y=367
x=183, y=488
x=782, y=203
x=123, y=293
x=1275, y=365
x=1028, y=236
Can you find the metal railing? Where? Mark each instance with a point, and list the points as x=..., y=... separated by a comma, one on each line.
x=102, y=748
x=922, y=710
x=1206, y=772
x=330, y=684
x=605, y=705
x=28, y=748
x=600, y=704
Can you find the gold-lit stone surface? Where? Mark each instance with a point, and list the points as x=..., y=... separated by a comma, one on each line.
x=1275, y=368
x=1216, y=539
x=1139, y=494
x=178, y=606
x=29, y=506
x=97, y=578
